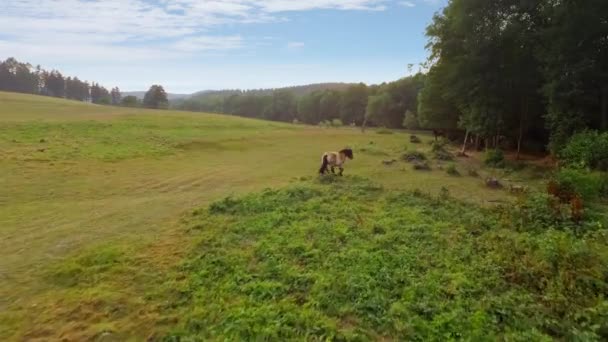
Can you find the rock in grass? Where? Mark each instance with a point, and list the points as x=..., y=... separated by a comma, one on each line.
x=421, y=166
x=493, y=183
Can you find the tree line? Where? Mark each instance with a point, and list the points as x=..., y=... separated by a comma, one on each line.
x=21, y=77
x=516, y=71
x=353, y=104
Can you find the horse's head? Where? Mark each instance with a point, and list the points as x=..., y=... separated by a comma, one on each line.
x=348, y=153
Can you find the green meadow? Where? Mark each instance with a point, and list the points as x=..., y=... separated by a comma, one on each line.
x=132, y=224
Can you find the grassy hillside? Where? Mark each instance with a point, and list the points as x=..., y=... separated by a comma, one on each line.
x=97, y=237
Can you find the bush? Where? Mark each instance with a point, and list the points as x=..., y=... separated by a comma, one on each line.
x=412, y=156
x=452, y=170
x=472, y=172
x=443, y=155
x=384, y=131
x=495, y=158
x=439, y=144
x=421, y=165
x=410, y=121
x=589, y=185
x=588, y=149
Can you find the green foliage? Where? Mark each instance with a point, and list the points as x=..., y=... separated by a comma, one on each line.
x=452, y=170
x=439, y=149
x=421, y=165
x=377, y=107
x=129, y=101
x=495, y=158
x=439, y=144
x=384, y=131
x=588, y=149
x=353, y=104
x=413, y=155
x=88, y=268
x=589, y=185
x=156, y=98
x=410, y=121
x=326, y=260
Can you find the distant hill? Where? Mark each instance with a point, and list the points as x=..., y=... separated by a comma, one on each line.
x=296, y=90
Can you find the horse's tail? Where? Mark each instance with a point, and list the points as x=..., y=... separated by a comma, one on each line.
x=323, y=168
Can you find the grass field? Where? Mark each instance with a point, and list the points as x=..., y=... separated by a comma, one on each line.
x=98, y=240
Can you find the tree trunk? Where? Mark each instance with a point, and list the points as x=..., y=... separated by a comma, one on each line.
x=604, y=108
x=464, y=145
x=522, y=116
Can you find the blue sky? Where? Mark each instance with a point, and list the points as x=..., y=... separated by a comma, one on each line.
x=191, y=45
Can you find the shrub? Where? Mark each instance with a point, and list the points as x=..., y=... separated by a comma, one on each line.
x=412, y=156
x=410, y=121
x=588, y=149
x=495, y=158
x=443, y=155
x=421, y=165
x=384, y=131
x=540, y=211
x=439, y=144
x=337, y=123
x=452, y=170
x=589, y=185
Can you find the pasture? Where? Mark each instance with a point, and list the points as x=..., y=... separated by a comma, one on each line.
x=106, y=233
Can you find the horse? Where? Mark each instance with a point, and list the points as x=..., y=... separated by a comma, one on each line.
x=335, y=159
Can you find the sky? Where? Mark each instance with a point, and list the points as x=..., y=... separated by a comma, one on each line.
x=193, y=45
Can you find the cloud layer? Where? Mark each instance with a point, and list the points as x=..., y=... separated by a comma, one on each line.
x=138, y=29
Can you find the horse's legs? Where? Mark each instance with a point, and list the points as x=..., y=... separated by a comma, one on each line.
x=333, y=170
x=341, y=170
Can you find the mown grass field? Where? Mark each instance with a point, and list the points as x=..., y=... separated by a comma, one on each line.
x=105, y=233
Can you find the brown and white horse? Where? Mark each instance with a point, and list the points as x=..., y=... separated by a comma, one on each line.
x=335, y=159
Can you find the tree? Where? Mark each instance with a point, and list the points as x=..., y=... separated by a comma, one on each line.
x=156, y=97
x=309, y=108
x=129, y=101
x=377, y=107
x=410, y=121
x=55, y=84
x=575, y=67
x=329, y=105
x=100, y=95
x=354, y=104
x=483, y=68
x=116, y=96
x=283, y=107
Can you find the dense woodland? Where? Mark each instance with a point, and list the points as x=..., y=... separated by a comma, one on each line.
x=21, y=77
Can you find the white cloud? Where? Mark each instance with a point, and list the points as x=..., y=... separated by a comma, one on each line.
x=295, y=45
x=96, y=29
x=209, y=43
x=407, y=4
